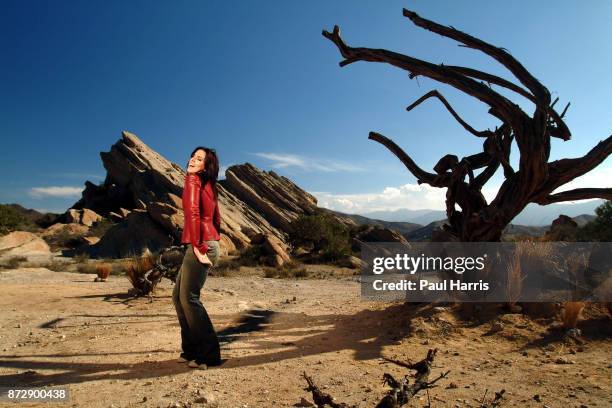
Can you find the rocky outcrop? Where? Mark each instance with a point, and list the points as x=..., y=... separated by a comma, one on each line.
x=134, y=236
x=563, y=228
x=85, y=216
x=276, y=250
x=563, y=221
x=22, y=243
x=280, y=200
x=142, y=193
x=72, y=229
x=378, y=234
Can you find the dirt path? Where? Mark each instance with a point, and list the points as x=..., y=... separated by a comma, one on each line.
x=64, y=329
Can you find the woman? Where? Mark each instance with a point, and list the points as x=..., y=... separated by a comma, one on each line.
x=201, y=231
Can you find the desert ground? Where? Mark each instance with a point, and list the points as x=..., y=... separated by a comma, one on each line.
x=64, y=329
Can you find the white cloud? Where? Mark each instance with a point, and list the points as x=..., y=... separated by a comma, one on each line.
x=222, y=169
x=282, y=160
x=417, y=197
x=407, y=196
x=597, y=178
x=56, y=191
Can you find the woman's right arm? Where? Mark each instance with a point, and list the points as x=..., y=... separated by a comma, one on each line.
x=191, y=211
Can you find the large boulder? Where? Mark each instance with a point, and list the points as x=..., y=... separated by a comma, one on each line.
x=167, y=216
x=89, y=217
x=276, y=250
x=136, y=235
x=83, y=216
x=379, y=234
x=22, y=243
x=73, y=229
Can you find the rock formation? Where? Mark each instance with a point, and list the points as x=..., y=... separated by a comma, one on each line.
x=22, y=243
x=142, y=193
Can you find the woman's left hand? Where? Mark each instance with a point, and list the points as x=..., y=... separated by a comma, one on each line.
x=203, y=258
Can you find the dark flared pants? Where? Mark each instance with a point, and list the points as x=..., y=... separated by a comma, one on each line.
x=198, y=337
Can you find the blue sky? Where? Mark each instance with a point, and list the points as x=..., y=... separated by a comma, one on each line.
x=257, y=81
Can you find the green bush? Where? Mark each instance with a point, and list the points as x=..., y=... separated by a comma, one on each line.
x=600, y=229
x=10, y=219
x=324, y=233
x=251, y=255
x=64, y=239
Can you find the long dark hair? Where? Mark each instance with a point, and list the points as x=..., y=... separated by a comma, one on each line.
x=211, y=167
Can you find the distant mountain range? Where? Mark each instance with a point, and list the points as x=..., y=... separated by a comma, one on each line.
x=533, y=215
x=413, y=231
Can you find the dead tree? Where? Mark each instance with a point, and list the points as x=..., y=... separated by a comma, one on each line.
x=401, y=392
x=533, y=181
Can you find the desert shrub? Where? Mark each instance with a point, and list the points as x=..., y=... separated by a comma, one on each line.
x=100, y=228
x=81, y=258
x=288, y=270
x=46, y=220
x=13, y=262
x=56, y=266
x=324, y=233
x=118, y=267
x=137, y=268
x=10, y=219
x=86, y=267
x=65, y=239
x=571, y=314
x=251, y=255
x=600, y=229
x=103, y=270
x=225, y=266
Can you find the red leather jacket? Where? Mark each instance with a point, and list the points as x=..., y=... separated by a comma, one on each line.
x=201, y=210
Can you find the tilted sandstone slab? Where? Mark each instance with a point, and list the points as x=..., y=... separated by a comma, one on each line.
x=22, y=243
x=251, y=201
x=279, y=199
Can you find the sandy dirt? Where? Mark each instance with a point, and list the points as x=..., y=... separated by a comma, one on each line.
x=63, y=329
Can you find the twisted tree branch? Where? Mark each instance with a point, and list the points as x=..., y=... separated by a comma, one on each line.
x=501, y=105
x=466, y=126
x=421, y=175
x=560, y=131
x=565, y=170
x=540, y=92
x=577, y=194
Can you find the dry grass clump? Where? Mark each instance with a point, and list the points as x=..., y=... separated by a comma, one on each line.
x=137, y=269
x=13, y=262
x=226, y=267
x=81, y=258
x=289, y=270
x=525, y=251
x=56, y=266
x=86, y=267
x=100, y=268
x=103, y=270
x=571, y=314
x=139, y=265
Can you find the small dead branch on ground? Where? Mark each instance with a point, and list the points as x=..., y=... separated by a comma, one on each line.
x=321, y=399
x=401, y=391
